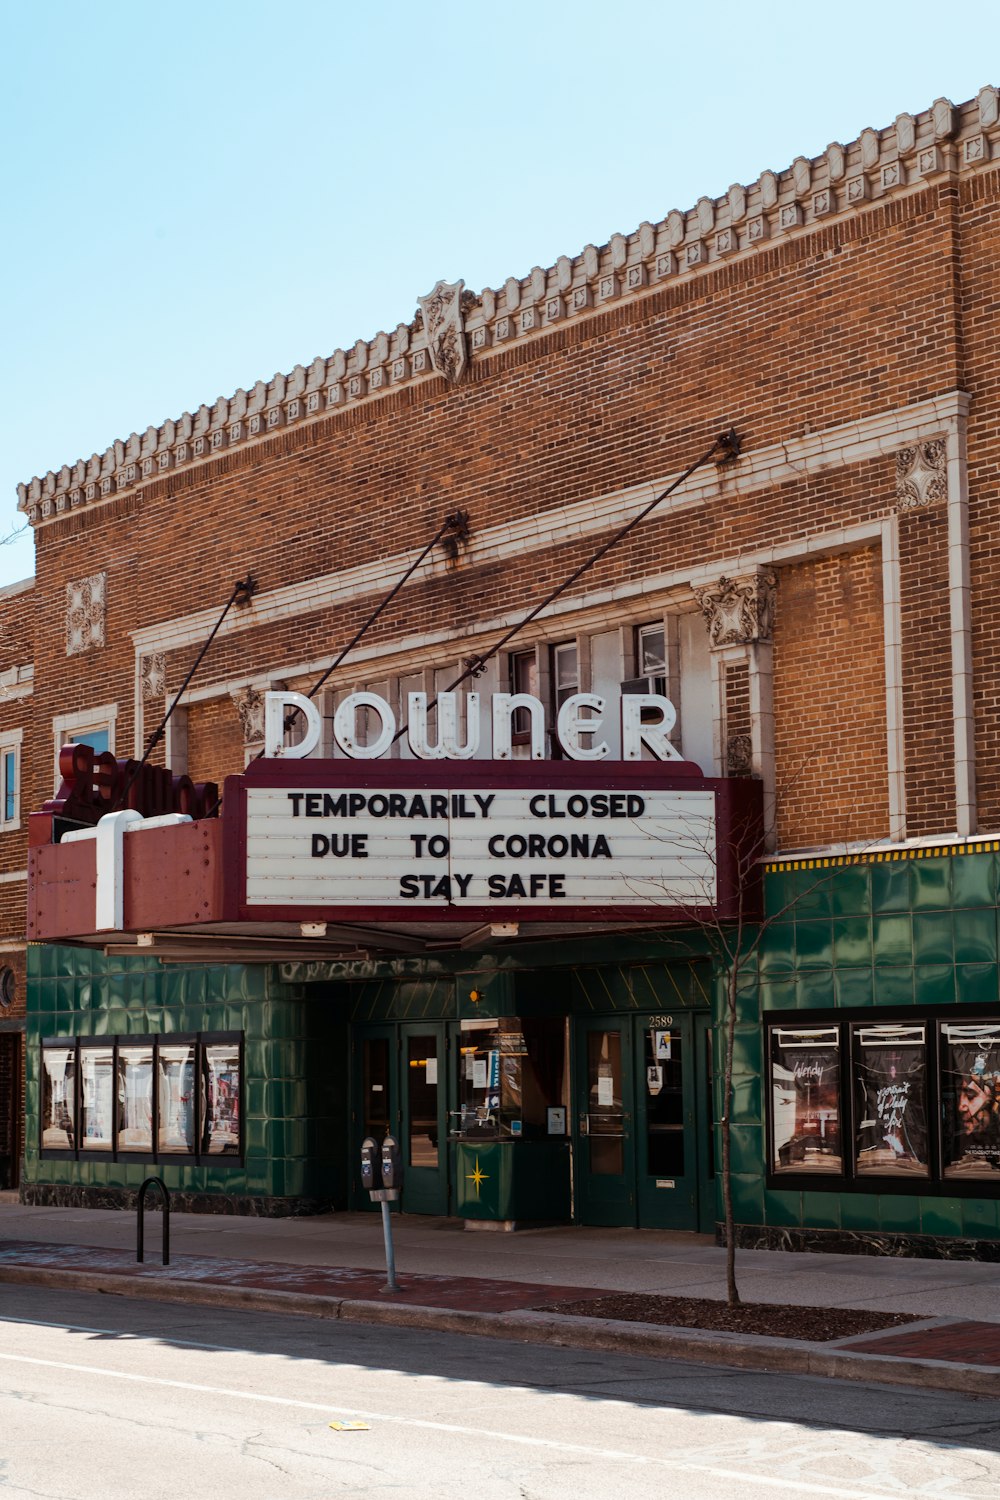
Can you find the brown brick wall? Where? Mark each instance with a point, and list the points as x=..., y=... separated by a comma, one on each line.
x=829, y=693
x=215, y=741
x=815, y=330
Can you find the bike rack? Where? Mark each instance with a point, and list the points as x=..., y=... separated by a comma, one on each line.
x=141, y=1205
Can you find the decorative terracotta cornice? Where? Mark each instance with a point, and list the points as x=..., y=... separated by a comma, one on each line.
x=843, y=180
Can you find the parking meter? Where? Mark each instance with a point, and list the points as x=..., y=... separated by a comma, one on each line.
x=392, y=1164
x=370, y=1173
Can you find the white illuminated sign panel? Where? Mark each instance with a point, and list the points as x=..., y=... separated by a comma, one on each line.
x=495, y=847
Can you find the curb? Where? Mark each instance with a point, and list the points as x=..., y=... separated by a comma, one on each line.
x=695, y=1346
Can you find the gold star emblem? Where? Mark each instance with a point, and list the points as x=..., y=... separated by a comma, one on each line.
x=478, y=1177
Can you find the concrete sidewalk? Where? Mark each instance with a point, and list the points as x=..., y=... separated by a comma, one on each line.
x=491, y=1283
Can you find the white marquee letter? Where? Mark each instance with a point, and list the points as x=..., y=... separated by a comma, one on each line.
x=345, y=726
x=447, y=747
x=635, y=733
x=572, y=726
x=504, y=708
x=276, y=707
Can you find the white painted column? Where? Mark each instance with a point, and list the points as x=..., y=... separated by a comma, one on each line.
x=959, y=599
x=893, y=636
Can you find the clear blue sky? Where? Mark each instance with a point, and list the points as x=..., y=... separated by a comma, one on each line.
x=199, y=194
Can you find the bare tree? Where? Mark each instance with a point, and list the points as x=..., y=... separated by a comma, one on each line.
x=733, y=931
x=13, y=534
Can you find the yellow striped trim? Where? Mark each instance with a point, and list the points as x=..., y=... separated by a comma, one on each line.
x=881, y=856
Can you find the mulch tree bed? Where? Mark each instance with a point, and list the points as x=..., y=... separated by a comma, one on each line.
x=817, y=1324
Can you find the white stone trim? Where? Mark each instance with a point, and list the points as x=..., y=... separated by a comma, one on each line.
x=17, y=682
x=813, y=453
x=12, y=877
x=892, y=630
x=842, y=181
x=11, y=590
x=960, y=608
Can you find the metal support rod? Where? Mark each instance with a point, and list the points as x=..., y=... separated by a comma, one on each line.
x=141, y=1208
x=457, y=523
x=391, y=1285
x=243, y=591
x=727, y=445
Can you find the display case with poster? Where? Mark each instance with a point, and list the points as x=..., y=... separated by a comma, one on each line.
x=970, y=1100
x=890, y=1084
x=97, y=1098
x=221, y=1108
x=805, y=1099
x=135, y=1097
x=58, y=1096
x=176, y=1097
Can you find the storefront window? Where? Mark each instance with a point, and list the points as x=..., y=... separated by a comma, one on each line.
x=135, y=1098
x=890, y=1081
x=221, y=1131
x=58, y=1098
x=510, y=1077
x=97, y=1098
x=141, y=1097
x=175, y=1065
x=805, y=1100
x=970, y=1100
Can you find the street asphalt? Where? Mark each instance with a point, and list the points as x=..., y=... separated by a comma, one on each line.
x=492, y=1283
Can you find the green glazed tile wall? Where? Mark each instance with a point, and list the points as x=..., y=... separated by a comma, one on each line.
x=921, y=932
x=295, y=1063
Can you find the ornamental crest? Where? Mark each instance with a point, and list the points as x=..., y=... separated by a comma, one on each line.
x=85, y=614
x=739, y=610
x=921, y=474
x=444, y=327
x=250, y=706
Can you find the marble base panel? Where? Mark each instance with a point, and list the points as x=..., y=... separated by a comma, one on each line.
x=57, y=1195
x=860, y=1242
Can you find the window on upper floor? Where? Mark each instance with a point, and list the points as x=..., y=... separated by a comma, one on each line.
x=565, y=667
x=93, y=727
x=651, y=655
x=10, y=780
x=523, y=679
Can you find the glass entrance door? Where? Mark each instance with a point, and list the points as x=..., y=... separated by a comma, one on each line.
x=399, y=1087
x=667, y=1138
x=423, y=1124
x=641, y=1116
x=605, y=1141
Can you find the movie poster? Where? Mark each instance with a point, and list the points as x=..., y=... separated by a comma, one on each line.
x=890, y=1073
x=98, y=1094
x=135, y=1098
x=176, y=1097
x=58, y=1098
x=805, y=1099
x=970, y=1100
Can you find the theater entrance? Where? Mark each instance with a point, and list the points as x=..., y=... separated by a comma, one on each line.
x=399, y=1085
x=642, y=1123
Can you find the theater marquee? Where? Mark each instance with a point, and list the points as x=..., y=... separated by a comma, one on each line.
x=556, y=841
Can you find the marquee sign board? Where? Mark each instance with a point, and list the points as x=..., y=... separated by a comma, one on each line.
x=559, y=841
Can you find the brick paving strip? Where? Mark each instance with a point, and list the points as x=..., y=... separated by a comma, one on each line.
x=945, y=1354
x=961, y=1342
x=470, y=1293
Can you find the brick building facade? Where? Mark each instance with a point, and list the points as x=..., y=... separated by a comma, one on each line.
x=819, y=612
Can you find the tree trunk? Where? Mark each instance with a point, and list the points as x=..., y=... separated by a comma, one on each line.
x=732, y=978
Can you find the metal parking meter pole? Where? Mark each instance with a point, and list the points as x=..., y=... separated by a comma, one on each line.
x=383, y=1168
x=391, y=1285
